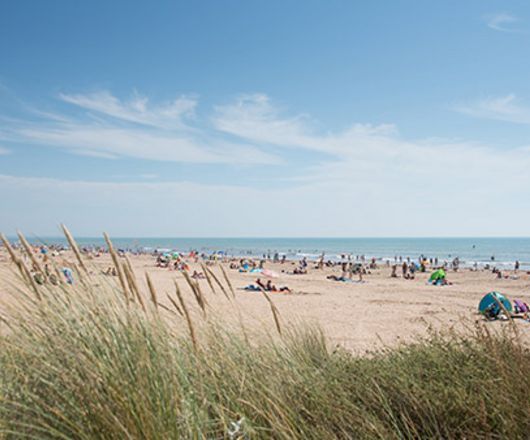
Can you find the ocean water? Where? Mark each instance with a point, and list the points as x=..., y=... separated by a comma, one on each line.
x=470, y=250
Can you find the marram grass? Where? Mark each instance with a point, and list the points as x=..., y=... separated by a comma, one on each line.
x=87, y=362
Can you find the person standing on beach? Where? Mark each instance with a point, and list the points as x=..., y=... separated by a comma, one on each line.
x=412, y=269
x=320, y=264
x=516, y=266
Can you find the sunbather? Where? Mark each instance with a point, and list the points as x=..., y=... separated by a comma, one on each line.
x=197, y=275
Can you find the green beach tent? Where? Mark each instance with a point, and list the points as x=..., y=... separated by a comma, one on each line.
x=437, y=275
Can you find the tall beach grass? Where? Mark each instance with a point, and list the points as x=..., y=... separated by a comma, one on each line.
x=88, y=361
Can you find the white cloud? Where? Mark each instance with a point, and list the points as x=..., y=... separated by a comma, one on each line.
x=132, y=129
x=503, y=22
x=255, y=118
x=112, y=142
x=137, y=110
x=504, y=108
x=4, y=151
x=426, y=203
x=364, y=151
x=363, y=180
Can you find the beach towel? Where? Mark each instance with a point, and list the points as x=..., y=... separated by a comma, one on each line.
x=520, y=306
x=269, y=273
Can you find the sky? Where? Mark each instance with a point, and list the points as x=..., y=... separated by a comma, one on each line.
x=265, y=119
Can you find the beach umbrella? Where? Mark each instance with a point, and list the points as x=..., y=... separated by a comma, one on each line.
x=489, y=304
x=269, y=273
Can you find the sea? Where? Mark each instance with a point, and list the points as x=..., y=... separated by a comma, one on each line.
x=498, y=252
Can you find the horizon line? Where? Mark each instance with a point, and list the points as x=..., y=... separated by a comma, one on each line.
x=282, y=237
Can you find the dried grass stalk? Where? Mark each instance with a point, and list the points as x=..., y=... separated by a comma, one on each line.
x=75, y=248
x=208, y=278
x=152, y=290
x=187, y=316
x=218, y=283
x=274, y=310
x=131, y=278
x=133, y=286
x=13, y=256
x=116, y=262
x=9, y=248
x=172, y=301
x=227, y=280
x=23, y=268
x=196, y=292
x=27, y=248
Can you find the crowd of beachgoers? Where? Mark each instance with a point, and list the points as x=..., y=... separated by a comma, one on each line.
x=349, y=268
x=400, y=289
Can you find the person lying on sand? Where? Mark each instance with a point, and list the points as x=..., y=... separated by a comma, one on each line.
x=272, y=288
x=336, y=278
x=346, y=279
x=269, y=287
x=111, y=271
x=260, y=284
x=197, y=275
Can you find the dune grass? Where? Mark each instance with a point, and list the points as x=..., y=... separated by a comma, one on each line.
x=88, y=362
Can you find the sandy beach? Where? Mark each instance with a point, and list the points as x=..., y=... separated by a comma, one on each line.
x=380, y=311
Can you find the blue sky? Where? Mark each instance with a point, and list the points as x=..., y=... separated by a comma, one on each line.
x=279, y=118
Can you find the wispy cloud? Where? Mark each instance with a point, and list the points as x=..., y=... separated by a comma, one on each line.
x=137, y=109
x=504, y=22
x=255, y=118
x=4, y=151
x=373, y=158
x=113, y=128
x=502, y=108
x=362, y=180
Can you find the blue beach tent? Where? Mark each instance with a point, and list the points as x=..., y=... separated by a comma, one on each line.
x=489, y=304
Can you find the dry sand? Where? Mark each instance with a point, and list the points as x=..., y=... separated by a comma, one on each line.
x=380, y=311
